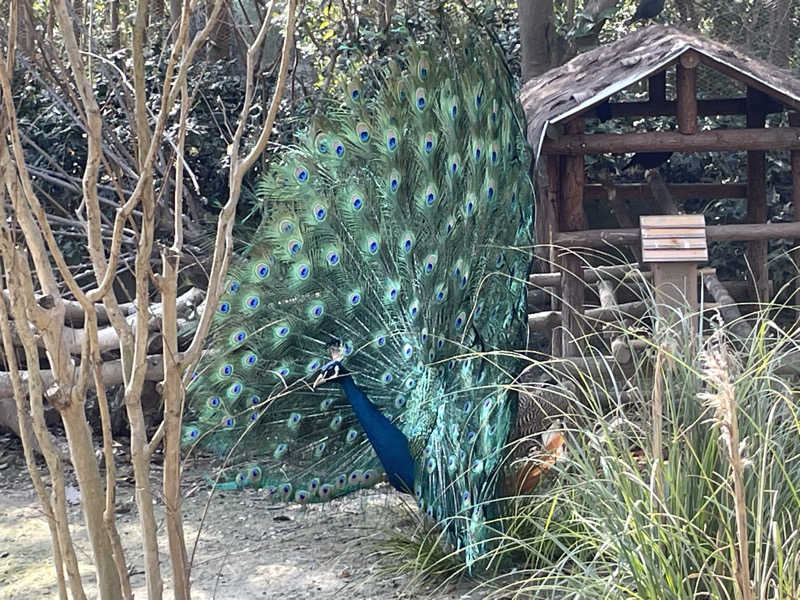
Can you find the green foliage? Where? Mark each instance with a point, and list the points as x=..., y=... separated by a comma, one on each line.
x=615, y=521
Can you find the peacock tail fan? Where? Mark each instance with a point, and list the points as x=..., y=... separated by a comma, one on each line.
x=398, y=224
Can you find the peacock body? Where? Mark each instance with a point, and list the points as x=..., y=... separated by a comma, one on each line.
x=365, y=335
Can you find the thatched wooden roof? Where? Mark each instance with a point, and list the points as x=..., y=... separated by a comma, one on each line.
x=594, y=76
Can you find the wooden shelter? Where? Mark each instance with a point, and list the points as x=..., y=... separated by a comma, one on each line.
x=557, y=104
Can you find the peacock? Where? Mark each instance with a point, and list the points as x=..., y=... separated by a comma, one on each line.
x=368, y=333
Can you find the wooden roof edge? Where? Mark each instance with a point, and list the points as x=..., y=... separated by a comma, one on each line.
x=712, y=53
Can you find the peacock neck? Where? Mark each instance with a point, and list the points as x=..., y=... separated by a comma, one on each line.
x=387, y=440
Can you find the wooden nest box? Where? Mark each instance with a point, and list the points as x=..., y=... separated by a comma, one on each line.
x=674, y=245
x=665, y=62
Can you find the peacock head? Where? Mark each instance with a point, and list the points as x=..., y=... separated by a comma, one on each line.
x=336, y=350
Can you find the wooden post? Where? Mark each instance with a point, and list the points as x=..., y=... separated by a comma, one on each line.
x=757, y=197
x=794, y=121
x=674, y=245
x=572, y=217
x=686, y=90
x=657, y=88
x=554, y=170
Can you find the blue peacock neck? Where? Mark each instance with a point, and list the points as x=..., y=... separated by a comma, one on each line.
x=387, y=440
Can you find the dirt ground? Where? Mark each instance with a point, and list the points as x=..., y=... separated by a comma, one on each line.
x=248, y=548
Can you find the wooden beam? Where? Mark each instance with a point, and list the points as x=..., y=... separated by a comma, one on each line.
x=669, y=108
x=686, y=91
x=717, y=140
x=682, y=191
x=726, y=305
x=657, y=87
x=794, y=121
x=664, y=200
x=756, y=251
x=602, y=238
x=544, y=321
x=554, y=164
x=614, y=273
x=572, y=217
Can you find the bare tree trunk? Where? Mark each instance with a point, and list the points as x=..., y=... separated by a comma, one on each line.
x=39, y=319
x=115, y=32
x=539, y=39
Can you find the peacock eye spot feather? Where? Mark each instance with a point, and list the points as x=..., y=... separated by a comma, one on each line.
x=477, y=154
x=228, y=422
x=286, y=227
x=233, y=287
x=407, y=245
x=478, y=100
x=357, y=203
x=252, y=302
x=400, y=402
x=355, y=94
x=303, y=271
x=355, y=298
x=194, y=433
x=226, y=370
x=387, y=377
x=294, y=247
x=224, y=308
x=363, y=132
x=214, y=401
x=255, y=473
x=333, y=258
x=428, y=145
x=373, y=247
x=262, y=271
x=392, y=143
x=282, y=331
x=430, y=199
x=381, y=341
x=453, y=111
x=320, y=213
x=323, y=148
x=490, y=193
x=283, y=372
x=235, y=389
x=301, y=173
x=339, y=149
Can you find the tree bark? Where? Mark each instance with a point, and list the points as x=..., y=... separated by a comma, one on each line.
x=537, y=34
